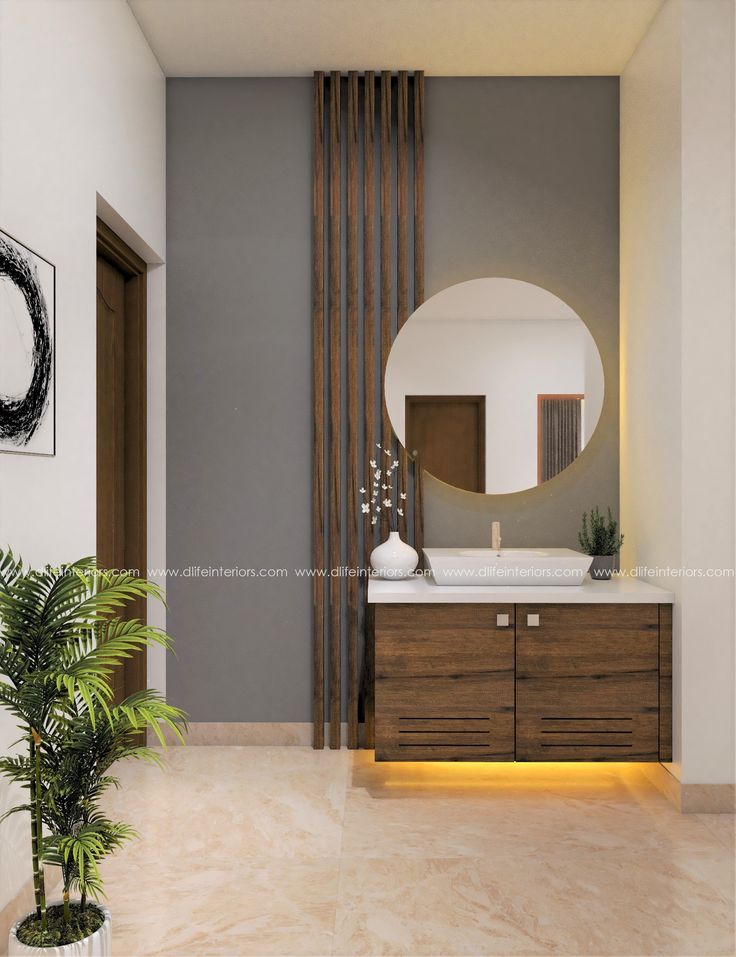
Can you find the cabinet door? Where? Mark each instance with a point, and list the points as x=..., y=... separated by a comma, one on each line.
x=444, y=682
x=587, y=682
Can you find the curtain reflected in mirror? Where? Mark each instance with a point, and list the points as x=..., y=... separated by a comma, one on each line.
x=560, y=429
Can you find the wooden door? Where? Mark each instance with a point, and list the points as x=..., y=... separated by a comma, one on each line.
x=448, y=432
x=444, y=682
x=121, y=425
x=587, y=682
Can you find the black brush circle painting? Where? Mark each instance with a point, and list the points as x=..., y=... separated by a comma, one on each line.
x=27, y=293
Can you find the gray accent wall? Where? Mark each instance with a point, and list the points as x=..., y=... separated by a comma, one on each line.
x=521, y=181
x=239, y=394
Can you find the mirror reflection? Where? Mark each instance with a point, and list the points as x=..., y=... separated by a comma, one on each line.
x=496, y=384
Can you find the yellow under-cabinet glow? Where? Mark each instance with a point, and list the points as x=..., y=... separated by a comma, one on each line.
x=514, y=778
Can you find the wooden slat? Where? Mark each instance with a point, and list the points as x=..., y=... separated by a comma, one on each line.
x=369, y=677
x=369, y=294
x=334, y=326
x=418, y=188
x=385, y=215
x=376, y=344
x=369, y=370
x=665, y=682
x=352, y=406
x=419, y=509
x=402, y=256
x=418, y=503
x=318, y=412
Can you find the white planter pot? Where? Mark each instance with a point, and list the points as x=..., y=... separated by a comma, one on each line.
x=394, y=559
x=98, y=944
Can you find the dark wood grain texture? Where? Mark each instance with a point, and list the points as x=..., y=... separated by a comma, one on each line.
x=111, y=427
x=444, y=682
x=335, y=344
x=318, y=411
x=402, y=262
x=419, y=508
x=353, y=423
x=122, y=426
x=418, y=261
x=383, y=250
x=369, y=677
x=448, y=432
x=386, y=271
x=665, y=682
x=587, y=683
x=418, y=188
x=370, y=427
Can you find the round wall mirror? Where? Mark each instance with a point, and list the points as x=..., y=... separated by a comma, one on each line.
x=496, y=384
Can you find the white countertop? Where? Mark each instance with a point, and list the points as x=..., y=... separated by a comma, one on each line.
x=421, y=589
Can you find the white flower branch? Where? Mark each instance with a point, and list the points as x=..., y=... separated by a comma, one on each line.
x=382, y=484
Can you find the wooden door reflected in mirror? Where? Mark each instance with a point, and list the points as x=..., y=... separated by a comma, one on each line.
x=449, y=433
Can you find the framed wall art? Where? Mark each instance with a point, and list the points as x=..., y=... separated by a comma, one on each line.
x=27, y=350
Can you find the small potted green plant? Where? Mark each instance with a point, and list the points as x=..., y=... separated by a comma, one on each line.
x=600, y=538
x=61, y=636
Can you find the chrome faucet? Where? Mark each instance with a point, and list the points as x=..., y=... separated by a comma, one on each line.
x=496, y=536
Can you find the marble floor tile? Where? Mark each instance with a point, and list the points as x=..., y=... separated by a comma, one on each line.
x=618, y=902
x=237, y=804
x=418, y=907
x=722, y=825
x=268, y=850
x=225, y=908
x=429, y=826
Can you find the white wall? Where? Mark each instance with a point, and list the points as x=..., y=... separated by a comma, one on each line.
x=82, y=113
x=677, y=355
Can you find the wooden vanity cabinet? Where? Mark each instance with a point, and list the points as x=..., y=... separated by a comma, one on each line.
x=504, y=682
x=444, y=682
x=587, y=683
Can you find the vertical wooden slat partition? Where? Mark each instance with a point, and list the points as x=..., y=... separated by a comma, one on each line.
x=402, y=252
x=369, y=293
x=369, y=363
x=353, y=421
x=318, y=406
x=386, y=263
x=418, y=278
x=334, y=326
x=350, y=417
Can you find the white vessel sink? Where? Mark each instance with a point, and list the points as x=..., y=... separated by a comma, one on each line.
x=507, y=566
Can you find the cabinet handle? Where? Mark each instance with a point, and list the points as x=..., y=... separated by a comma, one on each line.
x=502, y=621
x=532, y=621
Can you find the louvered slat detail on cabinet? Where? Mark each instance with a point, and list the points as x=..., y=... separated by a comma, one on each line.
x=587, y=683
x=444, y=683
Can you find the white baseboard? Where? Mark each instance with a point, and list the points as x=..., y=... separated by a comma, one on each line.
x=249, y=734
x=692, y=798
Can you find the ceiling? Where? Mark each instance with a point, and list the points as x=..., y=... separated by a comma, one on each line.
x=443, y=37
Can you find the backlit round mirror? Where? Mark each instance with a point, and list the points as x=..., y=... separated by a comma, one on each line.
x=496, y=384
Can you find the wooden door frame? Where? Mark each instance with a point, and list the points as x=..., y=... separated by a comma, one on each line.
x=541, y=396
x=477, y=400
x=111, y=248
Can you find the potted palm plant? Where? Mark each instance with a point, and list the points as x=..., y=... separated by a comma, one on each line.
x=61, y=636
x=600, y=538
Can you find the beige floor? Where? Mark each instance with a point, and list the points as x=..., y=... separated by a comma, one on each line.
x=292, y=851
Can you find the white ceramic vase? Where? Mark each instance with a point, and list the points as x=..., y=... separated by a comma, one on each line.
x=394, y=559
x=98, y=944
